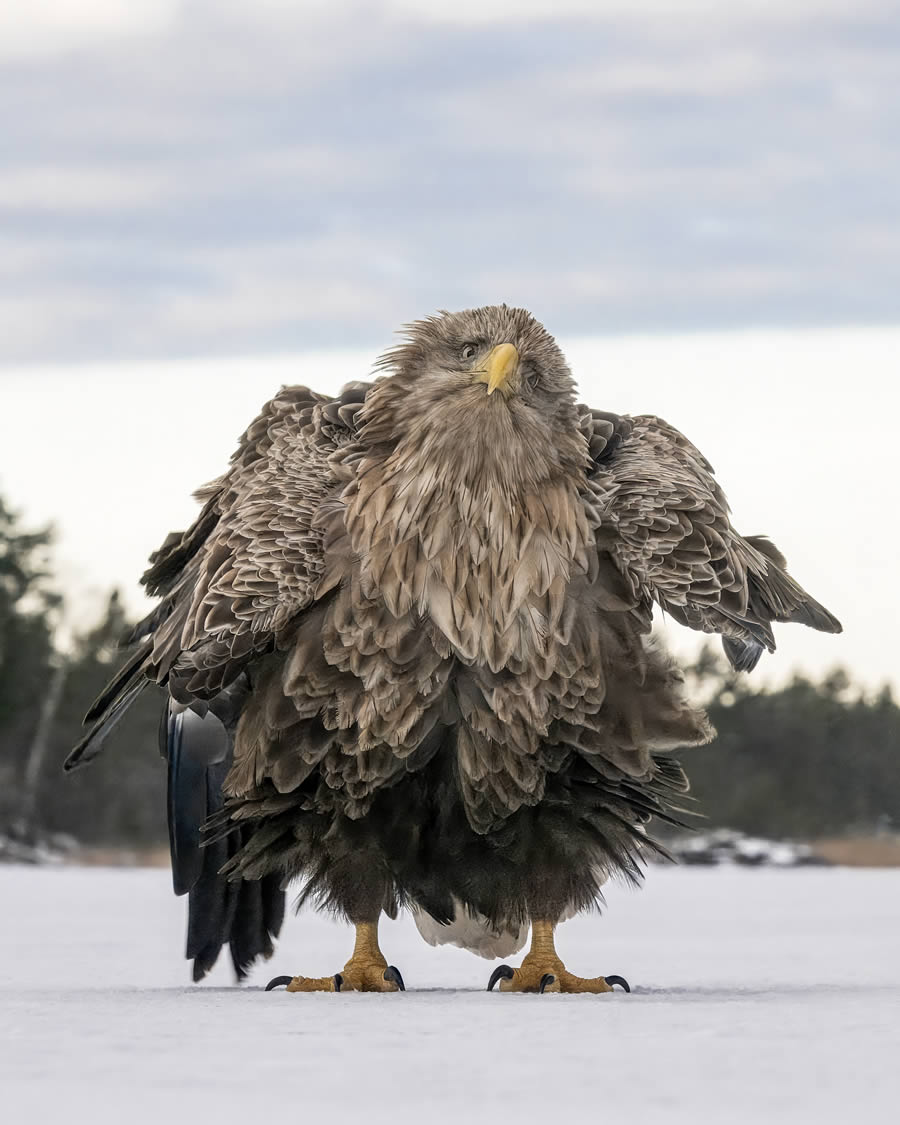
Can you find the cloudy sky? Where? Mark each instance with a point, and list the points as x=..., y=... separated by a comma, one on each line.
x=202, y=199
x=199, y=177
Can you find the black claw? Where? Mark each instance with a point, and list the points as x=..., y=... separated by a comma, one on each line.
x=392, y=973
x=502, y=972
x=277, y=982
x=620, y=981
x=338, y=981
x=546, y=980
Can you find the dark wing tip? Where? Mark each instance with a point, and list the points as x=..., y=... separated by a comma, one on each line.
x=817, y=617
x=786, y=599
x=743, y=656
x=76, y=756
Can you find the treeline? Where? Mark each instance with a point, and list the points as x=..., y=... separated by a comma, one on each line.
x=44, y=693
x=808, y=760
x=805, y=761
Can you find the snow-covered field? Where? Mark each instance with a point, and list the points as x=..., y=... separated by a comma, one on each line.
x=759, y=996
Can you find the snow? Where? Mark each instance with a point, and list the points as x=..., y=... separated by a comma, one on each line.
x=760, y=995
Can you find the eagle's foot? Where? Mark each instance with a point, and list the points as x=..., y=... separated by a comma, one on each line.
x=543, y=975
x=543, y=971
x=366, y=971
x=356, y=976
x=369, y=976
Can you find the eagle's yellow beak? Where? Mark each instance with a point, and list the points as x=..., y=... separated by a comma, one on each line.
x=499, y=367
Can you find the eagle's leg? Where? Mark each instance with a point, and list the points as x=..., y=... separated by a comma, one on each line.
x=543, y=971
x=366, y=971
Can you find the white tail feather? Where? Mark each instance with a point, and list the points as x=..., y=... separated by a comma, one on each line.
x=472, y=932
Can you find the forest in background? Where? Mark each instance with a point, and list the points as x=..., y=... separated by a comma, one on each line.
x=807, y=760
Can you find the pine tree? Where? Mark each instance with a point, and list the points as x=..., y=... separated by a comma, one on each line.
x=120, y=798
x=28, y=605
x=803, y=761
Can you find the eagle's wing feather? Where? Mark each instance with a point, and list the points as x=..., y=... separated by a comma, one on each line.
x=663, y=518
x=249, y=563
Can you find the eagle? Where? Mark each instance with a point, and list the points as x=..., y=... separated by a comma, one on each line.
x=407, y=655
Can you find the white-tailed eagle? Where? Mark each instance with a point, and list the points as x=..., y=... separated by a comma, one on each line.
x=406, y=649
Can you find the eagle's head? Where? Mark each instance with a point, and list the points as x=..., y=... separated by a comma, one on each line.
x=483, y=396
x=463, y=498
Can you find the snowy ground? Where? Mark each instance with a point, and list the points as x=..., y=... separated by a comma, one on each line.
x=759, y=996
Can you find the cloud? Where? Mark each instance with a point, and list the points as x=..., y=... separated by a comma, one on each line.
x=69, y=188
x=201, y=177
x=649, y=14
x=51, y=27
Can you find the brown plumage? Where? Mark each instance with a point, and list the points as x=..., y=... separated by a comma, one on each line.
x=422, y=611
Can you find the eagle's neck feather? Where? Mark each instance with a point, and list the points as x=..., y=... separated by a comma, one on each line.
x=487, y=563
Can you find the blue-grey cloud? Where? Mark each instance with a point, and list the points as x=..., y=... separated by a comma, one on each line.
x=205, y=177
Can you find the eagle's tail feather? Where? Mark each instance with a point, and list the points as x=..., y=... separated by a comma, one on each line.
x=472, y=932
x=246, y=916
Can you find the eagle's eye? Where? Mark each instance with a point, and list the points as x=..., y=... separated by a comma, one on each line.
x=467, y=351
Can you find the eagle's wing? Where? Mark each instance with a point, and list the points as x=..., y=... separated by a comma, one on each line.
x=663, y=519
x=251, y=561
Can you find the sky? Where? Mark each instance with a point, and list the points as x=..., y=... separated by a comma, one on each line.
x=202, y=200
x=221, y=177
